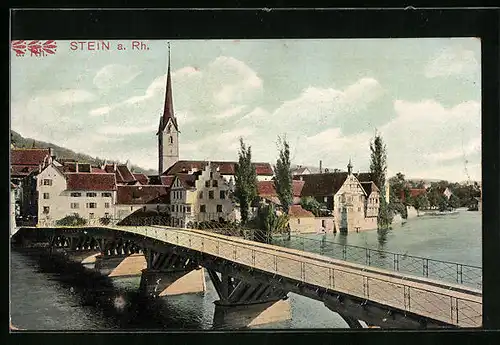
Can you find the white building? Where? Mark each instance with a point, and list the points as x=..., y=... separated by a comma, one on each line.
x=90, y=195
x=201, y=196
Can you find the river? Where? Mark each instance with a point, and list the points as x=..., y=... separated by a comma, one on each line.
x=51, y=295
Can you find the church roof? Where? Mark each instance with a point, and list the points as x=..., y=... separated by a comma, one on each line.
x=296, y=211
x=225, y=167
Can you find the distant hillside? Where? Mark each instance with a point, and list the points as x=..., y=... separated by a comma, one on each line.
x=60, y=152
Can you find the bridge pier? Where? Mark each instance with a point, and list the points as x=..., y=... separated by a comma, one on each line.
x=244, y=304
x=168, y=274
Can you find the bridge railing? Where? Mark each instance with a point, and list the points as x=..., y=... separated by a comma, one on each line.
x=452, y=305
x=452, y=272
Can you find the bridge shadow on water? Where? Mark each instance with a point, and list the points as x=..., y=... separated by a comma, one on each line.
x=118, y=300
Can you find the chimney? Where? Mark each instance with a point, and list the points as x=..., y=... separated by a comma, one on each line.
x=320, y=167
x=300, y=178
x=76, y=166
x=114, y=166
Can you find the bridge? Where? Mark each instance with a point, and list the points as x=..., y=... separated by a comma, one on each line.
x=250, y=277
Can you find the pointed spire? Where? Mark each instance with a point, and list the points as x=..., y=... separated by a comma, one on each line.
x=168, y=109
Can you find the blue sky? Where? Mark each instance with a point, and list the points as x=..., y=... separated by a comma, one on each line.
x=328, y=97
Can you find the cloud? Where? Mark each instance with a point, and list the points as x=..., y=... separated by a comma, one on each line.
x=230, y=112
x=452, y=61
x=101, y=111
x=427, y=137
x=115, y=75
x=124, y=130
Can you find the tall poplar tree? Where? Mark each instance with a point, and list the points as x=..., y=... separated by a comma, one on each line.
x=378, y=169
x=283, y=178
x=245, y=180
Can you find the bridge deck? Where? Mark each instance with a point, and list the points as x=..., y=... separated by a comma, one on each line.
x=449, y=303
x=453, y=304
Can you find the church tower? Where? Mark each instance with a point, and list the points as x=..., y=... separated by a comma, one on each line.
x=168, y=130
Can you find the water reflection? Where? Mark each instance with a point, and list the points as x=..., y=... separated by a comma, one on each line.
x=122, y=306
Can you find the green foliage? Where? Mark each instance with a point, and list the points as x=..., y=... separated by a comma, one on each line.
x=385, y=214
x=378, y=161
x=72, y=220
x=378, y=169
x=283, y=176
x=268, y=223
x=421, y=202
x=454, y=201
x=245, y=181
x=311, y=204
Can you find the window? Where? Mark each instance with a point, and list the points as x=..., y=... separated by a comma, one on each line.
x=323, y=223
x=207, y=184
x=91, y=215
x=106, y=215
x=188, y=209
x=170, y=140
x=359, y=209
x=46, y=209
x=203, y=208
x=219, y=208
x=222, y=194
x=46, y=196
x=106, y=205
x=201, y=195
x=298, y=220
x=47, y=182
x=360, y=198
x=106, y=195
x=215, y=183
x=75, y=205
x=211, y=194
x=211, y=175
x=342, y=198
x=91, y=205
x=92, y=194
x=76, y=194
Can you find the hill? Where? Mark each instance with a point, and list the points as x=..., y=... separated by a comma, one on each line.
x=60, y=152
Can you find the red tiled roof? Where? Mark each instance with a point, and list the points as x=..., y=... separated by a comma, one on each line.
x=297, y=211
x=167, y=180
x=134, y=195
x=22, y=170
x=266, y=188
x=97, y=170
x=143, y=179
x=187, y=180
x=125, y=173
x=90, y=182
x=109, y=168
x=416, y=192
x=28, y=156
x=322, y=184
x=225, y=167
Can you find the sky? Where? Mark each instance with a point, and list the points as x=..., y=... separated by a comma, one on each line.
x=327, y=97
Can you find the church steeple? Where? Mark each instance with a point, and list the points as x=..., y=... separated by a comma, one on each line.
x=168, y=106
x=168, y=130
x=349, y=167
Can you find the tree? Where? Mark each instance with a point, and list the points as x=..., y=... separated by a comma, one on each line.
x=378, y=169
x=311, y=204
x=72, y=220
x=454, y=201
x=420, y=202
x=283, y=176
x=245, y=180
x=268, y=222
